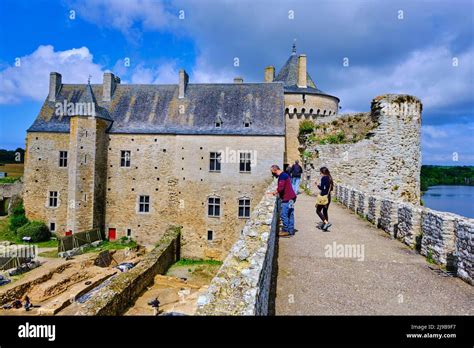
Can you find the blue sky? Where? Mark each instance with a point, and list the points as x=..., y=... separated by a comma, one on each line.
x=424, y=48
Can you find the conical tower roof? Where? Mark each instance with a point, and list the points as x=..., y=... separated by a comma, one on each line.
x=289, y=76
x=88, y=97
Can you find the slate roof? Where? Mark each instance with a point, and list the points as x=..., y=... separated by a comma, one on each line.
x=156, y=109
x=289, y=76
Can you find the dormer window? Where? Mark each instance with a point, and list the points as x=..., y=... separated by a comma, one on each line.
x=218, y=124
x=246, y=124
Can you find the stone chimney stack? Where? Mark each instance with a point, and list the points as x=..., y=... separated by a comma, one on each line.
x=55, y=83
x=269, y=73
x=109, y=84
x=238, y=79
x=302, y=83
x=183, y=83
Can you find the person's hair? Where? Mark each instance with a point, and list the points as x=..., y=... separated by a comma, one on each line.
x=276, y=167
x=297, y=162
x=325, y=171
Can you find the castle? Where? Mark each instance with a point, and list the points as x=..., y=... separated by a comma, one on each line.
x=132, y=159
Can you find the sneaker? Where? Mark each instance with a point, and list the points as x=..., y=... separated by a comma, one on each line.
x=284, y=234
x=326, y=226
x=320, y=225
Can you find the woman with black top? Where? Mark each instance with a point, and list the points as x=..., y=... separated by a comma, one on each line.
x=325, y=187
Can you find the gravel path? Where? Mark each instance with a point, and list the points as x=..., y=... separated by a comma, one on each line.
x=389, y=279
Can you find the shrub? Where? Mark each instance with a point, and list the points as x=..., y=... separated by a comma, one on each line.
x=37, y=230
x=17, y=221
x=18, y=218
x=306, y=127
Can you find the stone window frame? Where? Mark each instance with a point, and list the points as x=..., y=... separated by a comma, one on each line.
x=52, y=230
x=145, y=203
x=216, y=204
x=53, y=196
x=63, y=157
x=244, y=207
x=215, y=157
x=245, y=163
x=129, y=235
x=124, y=161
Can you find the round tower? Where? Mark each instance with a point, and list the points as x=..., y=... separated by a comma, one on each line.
x=303, y=99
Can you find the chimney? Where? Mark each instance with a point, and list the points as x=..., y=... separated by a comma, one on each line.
x=55, y=83
x=109, y=84
x=269, y=73
x=238, y=79
x=302, y=83
x=183, y=82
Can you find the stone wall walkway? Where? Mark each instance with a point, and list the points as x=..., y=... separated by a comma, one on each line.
x=390, y=280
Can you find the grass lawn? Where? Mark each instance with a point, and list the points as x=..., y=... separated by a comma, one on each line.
x=50, y=254
x=108, y=245
x=192, y=262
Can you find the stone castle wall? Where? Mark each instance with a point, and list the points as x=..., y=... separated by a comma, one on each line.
x=43, y=174
x=244, y=283
x=444, y=238
x=124, y=288
x=298, y=109
x=172, y=170
x=387, y=161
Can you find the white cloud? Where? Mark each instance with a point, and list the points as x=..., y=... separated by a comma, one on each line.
x=124, y=15
x=444, y=143
x=165, y=73
x=428, y=74
x=30, y=80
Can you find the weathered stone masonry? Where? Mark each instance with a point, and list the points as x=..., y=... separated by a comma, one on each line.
x=444, y=238
x=385, y=161
x=243, y=285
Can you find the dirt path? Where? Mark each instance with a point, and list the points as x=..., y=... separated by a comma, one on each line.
x=390, y=279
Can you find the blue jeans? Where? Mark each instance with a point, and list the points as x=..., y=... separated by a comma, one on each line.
x=295, y=183
x=288, y=217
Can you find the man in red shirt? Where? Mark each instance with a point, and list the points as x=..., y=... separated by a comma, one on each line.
x=288, y=197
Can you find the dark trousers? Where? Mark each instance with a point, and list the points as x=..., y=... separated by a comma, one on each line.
x=322, y=210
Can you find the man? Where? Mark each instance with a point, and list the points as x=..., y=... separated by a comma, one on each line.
x=155, y=304
x=296, y=172
x=288, y=197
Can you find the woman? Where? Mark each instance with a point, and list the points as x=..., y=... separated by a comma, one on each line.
x=325, y=187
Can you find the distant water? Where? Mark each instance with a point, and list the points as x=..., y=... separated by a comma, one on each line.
x=454, y=199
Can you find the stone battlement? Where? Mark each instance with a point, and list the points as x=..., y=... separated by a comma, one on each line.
x=444, y=238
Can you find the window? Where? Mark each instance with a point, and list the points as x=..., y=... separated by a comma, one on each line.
x=53, y=199
x=215, y=162
x=129, y=232
x=124, y=158
x=214, y=206
x=63, y=158
x=244, y=208
x=218, y=124
x=210, y=235
x=144, y=204
x=245, y=161
x=246, y=124
x=52, y=226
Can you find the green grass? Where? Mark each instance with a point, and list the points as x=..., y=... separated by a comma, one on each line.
x=193, y=262
x=9, y=179
x=50, y=254
x=108, y=245
x=8, y=235
x=429, y=257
